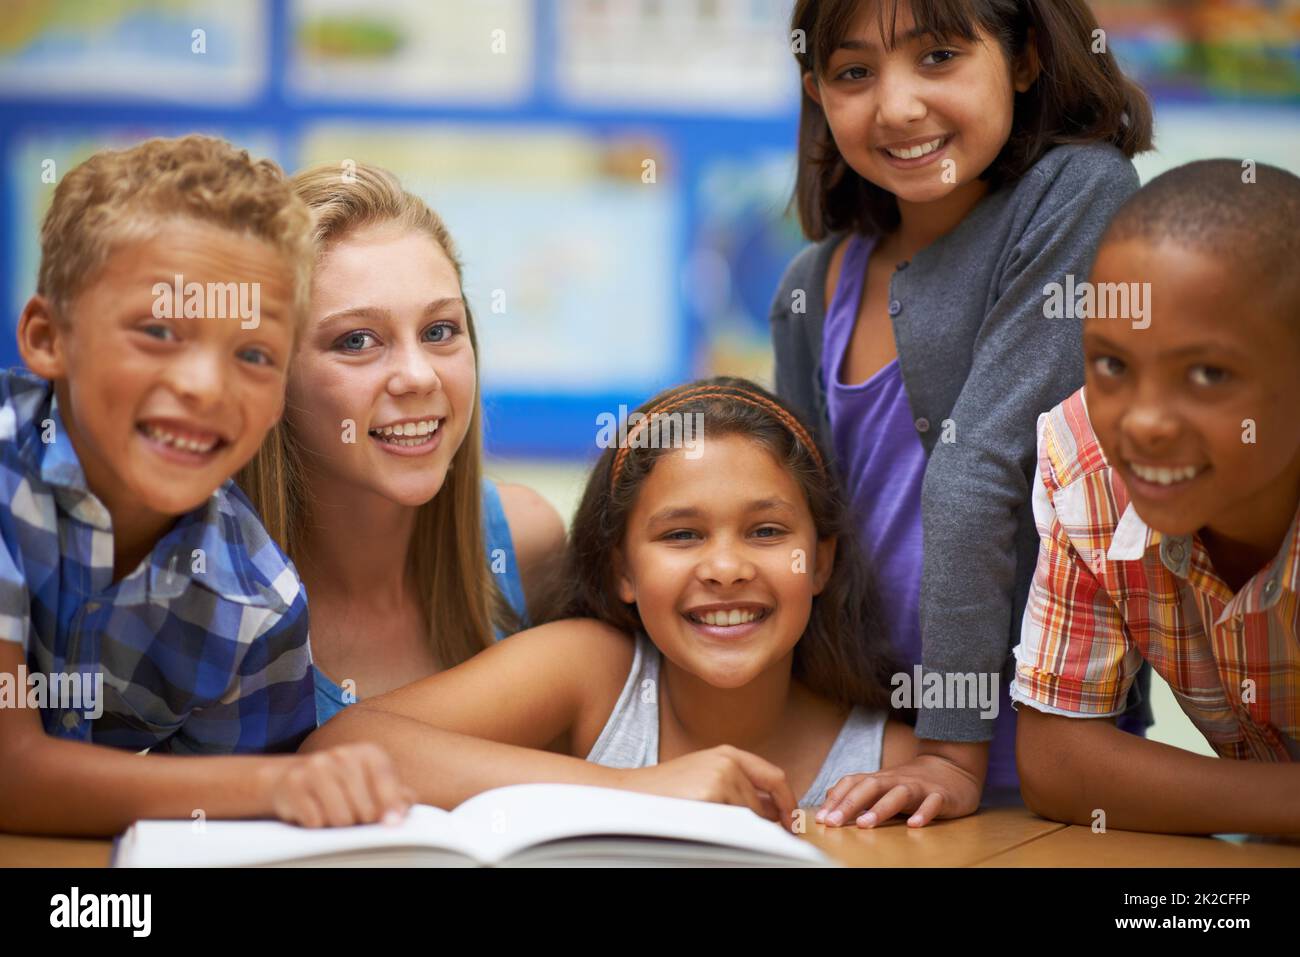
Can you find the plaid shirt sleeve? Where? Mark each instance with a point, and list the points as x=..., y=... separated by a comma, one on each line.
x=1075, y=657
x=270, y=705
x=15, y=604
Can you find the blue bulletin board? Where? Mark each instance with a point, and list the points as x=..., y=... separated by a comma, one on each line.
x=614, y=172
x=566, y=178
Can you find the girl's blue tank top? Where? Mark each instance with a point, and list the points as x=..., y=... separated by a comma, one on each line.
x=330, y=698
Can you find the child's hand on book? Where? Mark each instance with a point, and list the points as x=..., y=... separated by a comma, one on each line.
x=338, y=787
x=927, y=787
x=724, y=775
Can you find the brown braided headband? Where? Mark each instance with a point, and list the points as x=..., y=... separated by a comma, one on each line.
x=674, y=402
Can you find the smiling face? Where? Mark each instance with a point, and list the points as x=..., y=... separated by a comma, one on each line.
x=1197, y=411
x=387, y=349
x=709, y=557
x=161, y=411
x=924, y=120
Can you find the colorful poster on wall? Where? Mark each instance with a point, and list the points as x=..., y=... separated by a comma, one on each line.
x=412, y=51
x=1207, y=48
x=566, y=246
x=742, y=243
x=724, y=56
x=203, y=52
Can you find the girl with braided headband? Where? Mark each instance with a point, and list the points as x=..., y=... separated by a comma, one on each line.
x=718, y=640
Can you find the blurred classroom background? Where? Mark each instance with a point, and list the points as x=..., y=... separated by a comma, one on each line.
x=615, y=172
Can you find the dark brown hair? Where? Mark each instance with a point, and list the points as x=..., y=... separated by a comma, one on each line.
x=1242, y=213
x=1078, y=97
x=844, y=654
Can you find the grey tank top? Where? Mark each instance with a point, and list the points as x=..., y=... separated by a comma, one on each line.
x=630, y=738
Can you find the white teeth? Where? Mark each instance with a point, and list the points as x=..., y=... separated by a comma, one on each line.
x=727, y=618
x=398, y=434
x=175, y=441
x=916, y=151
x=1164, y=476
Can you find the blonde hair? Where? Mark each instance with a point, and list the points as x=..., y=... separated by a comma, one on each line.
x=461, y=601
x=119, y=196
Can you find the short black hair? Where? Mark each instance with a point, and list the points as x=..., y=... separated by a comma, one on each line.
x=1244, y=213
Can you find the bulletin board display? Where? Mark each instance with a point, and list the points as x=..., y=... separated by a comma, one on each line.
x=557, y=140
x=615, y=173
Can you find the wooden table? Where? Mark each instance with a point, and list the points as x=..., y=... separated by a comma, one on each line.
x=998, y=837
x=1014, y=837
x=18, y=851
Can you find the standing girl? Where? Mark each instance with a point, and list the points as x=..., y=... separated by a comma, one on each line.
x=958, y=159
x=372, y=483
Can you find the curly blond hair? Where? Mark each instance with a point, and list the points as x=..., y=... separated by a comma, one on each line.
x=119, y=196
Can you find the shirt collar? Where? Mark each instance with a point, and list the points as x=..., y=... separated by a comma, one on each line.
x=1286, y=574
x=59, y=465
x=60, y=469
x=1133, y=537
x=201, y=549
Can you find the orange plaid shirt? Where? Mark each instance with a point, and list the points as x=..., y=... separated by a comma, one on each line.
x=1108, y=592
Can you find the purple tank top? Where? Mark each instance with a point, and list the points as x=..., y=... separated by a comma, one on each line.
x=882, y=463
x=881, y=459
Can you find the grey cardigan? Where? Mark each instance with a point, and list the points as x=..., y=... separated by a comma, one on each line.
x=979, y=362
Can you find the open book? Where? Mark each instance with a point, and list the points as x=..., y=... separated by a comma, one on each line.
x=523, y=825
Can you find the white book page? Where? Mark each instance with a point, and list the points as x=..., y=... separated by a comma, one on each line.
x=488, y=828
x=504, y=821
x=244, y=843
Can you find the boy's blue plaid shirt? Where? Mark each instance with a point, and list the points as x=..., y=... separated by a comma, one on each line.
x=203, y=647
